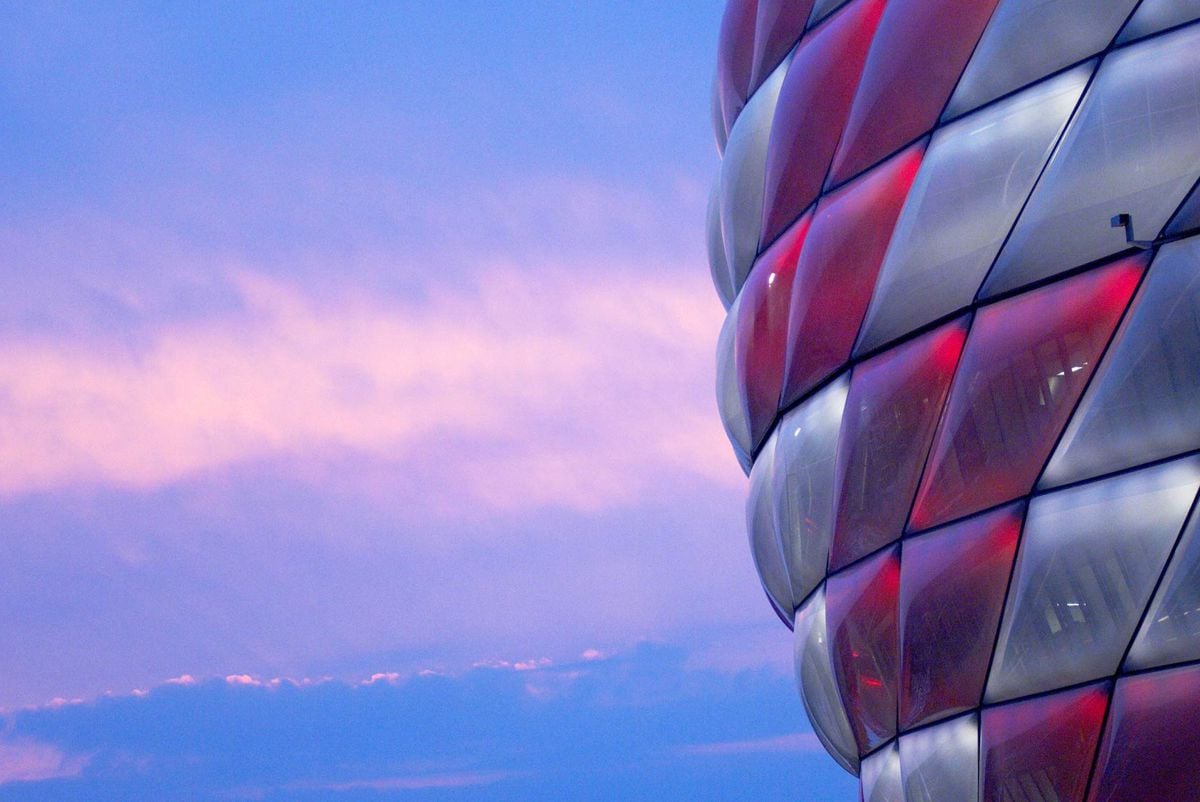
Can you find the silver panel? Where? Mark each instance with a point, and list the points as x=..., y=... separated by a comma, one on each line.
x=1027, y=40
x=972, y=183
x=804, y=475
x=941, y=763
x=1142, y=403
x=1088, y=561
x=764, y=540
x=1132, y=148
x=818, y=691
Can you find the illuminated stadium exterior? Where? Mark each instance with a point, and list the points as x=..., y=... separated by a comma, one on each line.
x=959, y=243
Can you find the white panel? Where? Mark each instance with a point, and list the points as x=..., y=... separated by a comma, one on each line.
x=729, y=397
x=818, y=691
x=880, y=775
x=1089, y=558
x=1170, y=632
x=1153, y=16
x=1132, y=148
x=1142, y=404
x=743, y=175
x=717, y=265
x=805, y=461
x=1027, y=40
x=972, y=183
x=941, y=763
x=764, y=540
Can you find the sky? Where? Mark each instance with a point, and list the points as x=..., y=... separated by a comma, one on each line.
x=357, y=428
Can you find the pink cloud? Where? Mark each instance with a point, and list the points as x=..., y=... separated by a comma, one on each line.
x=577, y=388
x=30, y=761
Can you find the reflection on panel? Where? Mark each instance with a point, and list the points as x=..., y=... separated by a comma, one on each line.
x=1153, y=16
x=764, y=540
x=952, y=584
x=1027, y=40
x=805, y=454
x=1170, y=632
x=742, y=172
x=895, y=400
x=1132, y=148
x=845, y=246
x=881, y=776
x=1089, y=558
x=1151, y=740
x=812, y=109
x=716, y=249
x=822, y=9
x=903, y=90
x=976, y=175
x=761, y=339
x=940, y=763
x=862, y=630
x=818, y=690
x=1188, y=217
x=1142, y=404
x=777, y=28
x=1042, y=748
x=729, y=396
x=735, y=58
x=1026, y=362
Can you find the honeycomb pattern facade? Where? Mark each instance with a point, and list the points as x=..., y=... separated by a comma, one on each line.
x=966, y=392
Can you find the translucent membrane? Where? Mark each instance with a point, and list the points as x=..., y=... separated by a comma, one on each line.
x=761, y=340
x=1027, y=40
x=1151, y=739
x=1089, y=558
x=903, y=88
x=742, y=172
x=975, y=177
x=941, y=763
x=893, y=408
x=845, y=246
x=811, y=112
x=952, y=584
x=861, y=605
x=805, y=455
x=1025, y=364
x=1141, y=406
x=818, y=689
x=1131, y=148
x=1042, y=748
x=764, y=540
x=1153, y=16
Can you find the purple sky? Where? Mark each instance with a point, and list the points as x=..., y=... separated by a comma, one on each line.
x=341, y=340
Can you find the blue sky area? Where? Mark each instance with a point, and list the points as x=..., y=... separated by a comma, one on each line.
x=356, y=412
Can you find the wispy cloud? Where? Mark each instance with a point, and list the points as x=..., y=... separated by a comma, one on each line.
x=27, y=761
x=522, y=389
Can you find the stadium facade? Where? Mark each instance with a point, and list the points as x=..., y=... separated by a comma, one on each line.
x=959, y=245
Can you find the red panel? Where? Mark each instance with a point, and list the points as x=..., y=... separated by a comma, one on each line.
x=842, y=254
x=760, y=342
x=861, y=616
x=780, y=23
x=1023, y=369
x=813, y=103
x=921, y=49
x=1152, y=740
x=890, y=417
x=735, y=58
x=1046, y=743
x=951, y=595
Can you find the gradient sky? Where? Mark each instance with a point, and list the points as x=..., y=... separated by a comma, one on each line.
x=353, y=341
